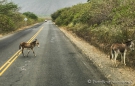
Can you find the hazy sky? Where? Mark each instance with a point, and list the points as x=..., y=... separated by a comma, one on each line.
x=44, y=7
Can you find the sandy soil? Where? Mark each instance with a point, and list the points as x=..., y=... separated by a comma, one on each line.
x=117, y=76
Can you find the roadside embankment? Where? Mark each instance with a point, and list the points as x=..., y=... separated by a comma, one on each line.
x=117, y=76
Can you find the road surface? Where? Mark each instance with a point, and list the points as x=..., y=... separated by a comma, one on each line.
x=58, y=61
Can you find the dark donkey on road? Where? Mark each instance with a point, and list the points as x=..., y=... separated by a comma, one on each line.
x=29, y=46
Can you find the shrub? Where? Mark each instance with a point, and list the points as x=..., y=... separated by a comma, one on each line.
x=30, y=15
x=11, y=19
x=7, y=24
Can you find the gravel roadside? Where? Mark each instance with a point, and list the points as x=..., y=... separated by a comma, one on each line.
x=117, y=76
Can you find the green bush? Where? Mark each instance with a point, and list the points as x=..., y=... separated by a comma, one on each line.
x=30, y=15
x=8, y=8
x=7, y=24
x=11, y=19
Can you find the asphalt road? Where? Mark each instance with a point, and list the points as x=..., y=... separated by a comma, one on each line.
x=58, y=61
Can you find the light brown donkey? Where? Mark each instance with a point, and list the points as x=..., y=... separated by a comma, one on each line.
x=29, y=46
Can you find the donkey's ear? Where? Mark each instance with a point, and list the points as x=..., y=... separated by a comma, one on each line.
x=130, y=40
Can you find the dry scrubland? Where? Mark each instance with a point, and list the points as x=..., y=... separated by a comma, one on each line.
x=101, y=23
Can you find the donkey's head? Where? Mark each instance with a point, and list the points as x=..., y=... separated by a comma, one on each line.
x=37, y=43
x=130, y=44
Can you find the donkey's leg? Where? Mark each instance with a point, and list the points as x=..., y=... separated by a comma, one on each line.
x=112, y=57
x=22, y=51
x=116, y=55
x=122, y=54
x=124, y=58
x=28, y=52
x=33, y=52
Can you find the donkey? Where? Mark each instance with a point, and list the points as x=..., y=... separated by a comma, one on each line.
x=29, y=46
x=121, y=49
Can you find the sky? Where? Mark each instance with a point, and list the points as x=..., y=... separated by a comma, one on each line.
x=44, y=7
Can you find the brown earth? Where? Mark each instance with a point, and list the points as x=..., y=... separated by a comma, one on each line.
x=118, y=76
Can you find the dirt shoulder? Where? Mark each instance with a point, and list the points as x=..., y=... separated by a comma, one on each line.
x=117, y=76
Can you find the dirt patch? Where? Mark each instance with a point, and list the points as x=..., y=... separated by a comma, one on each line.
x=117, y=76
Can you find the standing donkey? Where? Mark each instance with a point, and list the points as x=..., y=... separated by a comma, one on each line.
x=121, y=49
x=29, y=46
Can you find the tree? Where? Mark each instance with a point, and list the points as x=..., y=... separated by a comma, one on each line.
x=30, y=15
x=88, y=0
x=3, y=1
x=8, y=8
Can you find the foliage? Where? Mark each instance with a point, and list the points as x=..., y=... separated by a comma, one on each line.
x=6, y=24
x=67, y=15
x=30, y=15
x=8, y=9
x=11, y=19
x=88, y=0
x=100, y=22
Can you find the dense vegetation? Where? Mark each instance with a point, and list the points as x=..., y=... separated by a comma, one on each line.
x=30, y=15
x=11, y=19
x=101, y=22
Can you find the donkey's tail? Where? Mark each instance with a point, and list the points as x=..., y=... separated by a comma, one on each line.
x=20, y=46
